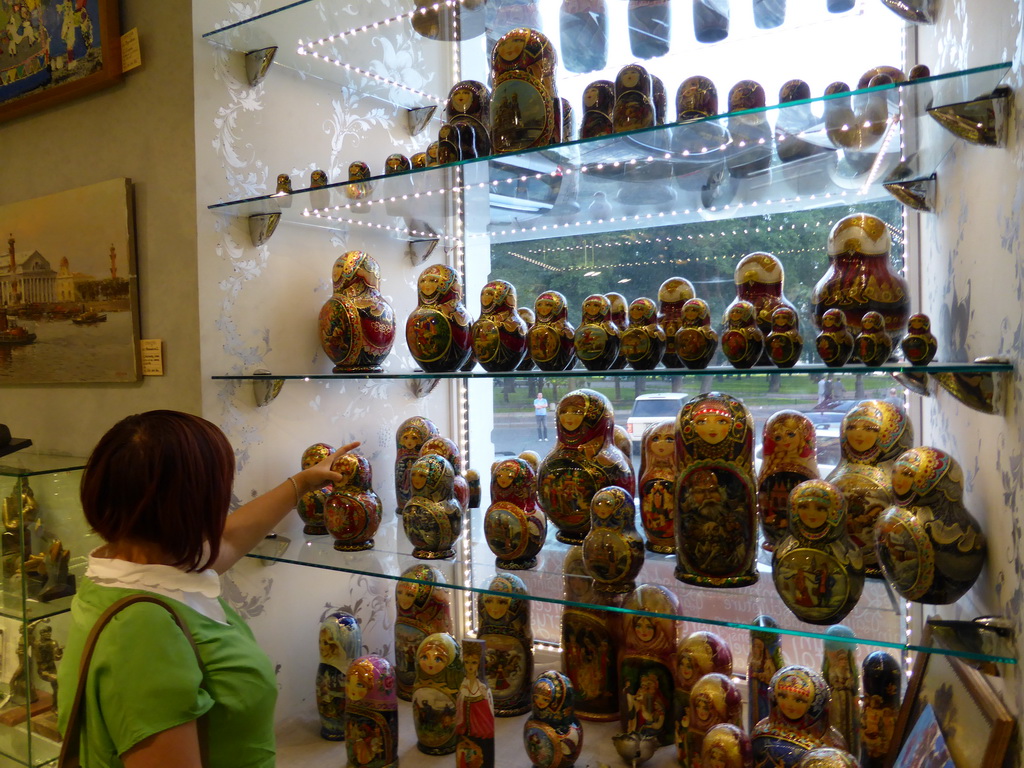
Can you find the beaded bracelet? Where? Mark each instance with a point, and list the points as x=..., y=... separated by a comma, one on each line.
x=296, y=487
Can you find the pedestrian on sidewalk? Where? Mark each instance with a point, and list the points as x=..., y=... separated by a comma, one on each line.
x=540, y=411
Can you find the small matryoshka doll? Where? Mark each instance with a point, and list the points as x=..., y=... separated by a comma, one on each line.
x=283, y=190
x=716, y=505
x=696, y=341
x=644, y=340
x=793, y=121
x=319, y=198
x=499, y=334
x=871, y=436
x=357, y=326
x=797, y=719
x=727, y=746
x=647, y=662
x=672, y=294
x=568, y=119
x=422, y=607
x=514, y=526
x=597, y=338
x=474, y=710
x=529, y=318
x=714, y=699
x=613, y=552
x=839, y=668
x=552, y=735
x=311, y=504
x=742, y=340
x=760, y=279
x=919, y=345
x=752, y=142
x=787, y=458
x=698, y=654
x=525, y=111
x=650, y=24
x=930, y=547
x=598, y=105
x=584, y=460
x=873, y=345
x=551, y=337
x=622, y=440
x=432, y=518
x=634, y=100
x=835, y=342
x=584, y=35
x=658, y=486
x=696, y=99
x=445, y=447
x=620, y=316
x=438, y=330
x=473, y=481
x=340, y=641
x=358, y=190
x=439, y=673
x=352, y=512
x=881, y=707
x=818, y=572
x=409, y=439
x=660, y=97
x=505, y=627
x=468, y=108
x=764, y=660
x=784, y=342
x=371, y=727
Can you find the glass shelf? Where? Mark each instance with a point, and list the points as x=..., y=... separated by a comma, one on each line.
x=25, y=464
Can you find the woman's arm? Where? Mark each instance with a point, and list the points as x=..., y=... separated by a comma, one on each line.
x=177, y=747
x=249, y=524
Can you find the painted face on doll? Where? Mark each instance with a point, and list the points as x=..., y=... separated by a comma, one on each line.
x=418, y=478
x=505, y=476
x=495, y=606
x=662, y=444
x=862, y=434
x=462, y=99
x=571, y=412
x=590, y=97
x=702, y=709
x=405, y=595
x=329, y=649
x=604, y=505
x=429, y=283
x=813, y=511
x=542, y=694
x=511, y=47
x=432, y=659
x=644, y=629
x=712, y=426
x=903, y=475
x=792, y=701
x=357, y=687
x=787, y=438
x=410, y=440
x=472, y=664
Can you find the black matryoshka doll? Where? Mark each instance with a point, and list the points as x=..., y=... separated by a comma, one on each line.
x=432, y=518
x=525, y=111
x=742, y=340
x=871, y=437
x=788, y=457
x=358, y=190
x=873, y=345
x=763, y=661
x=817, y=570
x=584, y=460
x=699, y=653
x=598, y=106
x=353, y=511
x=784, y=342
x=644, y=340
x=880, y=708
x=357, y=326
x=371, y=728
x=409, y=439
x=835, y=342
x=529, y=318
x=760, y=279
x=620, y=316
x=613, y=551
x=552, y=735
x=919, y=345
x=658, y=486
x=551, y=337
x=514, y=526
x=647, y=662
x=727, y=746
x=672, y=294
x=499, y=334
x=714, y=699
x=839, y=668
x=445, y=447
x=597, y=338
x=716, y=500
x=340, y=641
x=583, y=25
x=423, y=606
x=505, y=627
x=468, y=109
x=634, y=100
x=752, y=141
x=311, y=504
x=439, y=673
x=930, y=547
x=438, y=330
x=797, y=721
x=696, y=341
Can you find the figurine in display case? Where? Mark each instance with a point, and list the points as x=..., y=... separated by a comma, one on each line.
x=432, y=518
x=727, y=746
x=505, y=627
x=753, y=142
x=835, y=342
x=714, y=699
x=657, y=485
x=552, y=735
x=499, y=334
x=438, y=330
x=742, y=340
x=371, y=724
x=788, y=457
x=352, y=512
x=597, y=338
x=613, y=551
x=409, y=439
x=699, y=653
x=311, y=504
x=839, y=668
x=21, y=524
x=880, y=707
x=474, y=710
x=873, y=345
x=784, y=342
x=341, y=641
x=514, y=525
x=468, y=109
x=634, y=102
x=359, y=189
x=797, y=721
x=696, y=341
x=46, y=652
x=439, y=673
x=525, y=111
x=551, y=337
x=448, y=450
x=672, y=295
x=423, y=607
x=598, y=105
x=644, y=340
x=764, y=660
x=760, y=279
x=919, y=345
x=647, y=663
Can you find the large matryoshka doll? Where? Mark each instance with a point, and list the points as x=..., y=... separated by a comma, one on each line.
x=759, y=279
x=352, y=512
x=672, y=294
x=714, y=699
x=699, y=653
x=797, y=719
x=788, y=457
x=371, y=727
x=499, y=334
x=514, y=526
x=525, y=111
x=439, y=673
x=409, y=439
x=658, y=486
x=423, y=607
x=552, y=735
x=505, y=627
x=584, y=460
x=716, y=500
x=871, y=436
x=432, y=518
x=357, y=326
x=468, y=110
x=647, y=662
x=340, y=641
x=438, y=330
x=446, y=448
x=551, y=337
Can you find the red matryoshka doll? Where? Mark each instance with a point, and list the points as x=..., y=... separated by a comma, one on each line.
x=620, y=316
x=505, y=627
x=438, y=330
x=598, y=105
x=529, y=318
x=432, y=518
x=525, y=111
x=552, y=735
x=716, y=500
x=753, y=143
x=727, y=746
x=409, y=439
x=357, y=326
x=442, y=446
x=634, y=100
x=311, y=504
x=423, y=606
x=647, y=662
x=551, y=337
x=787, y=458
x=499, y=335
x=919, y=345
x=474, y=710
x=468, y=110
x=658, y=486
x=760, y=279
x=340, y=641
x=644, y=341
x=353, y=511
x=371, y=728
x=742, y=340
x=873, y=345
x=584, y=460
x=698, y=654
x=784, y=343
x=714, y=699
x=514, y=526
x=872, y=435
x=696, y=340
x=439, y=673
x=613, y=551
x=597, y=338
x=672, y=294
x=763, y=661
x=881, y=707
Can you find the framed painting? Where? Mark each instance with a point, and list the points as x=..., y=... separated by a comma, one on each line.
x=55, y=50
x=925, y=746
x=69, y=310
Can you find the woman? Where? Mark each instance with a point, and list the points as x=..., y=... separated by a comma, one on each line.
x=157, y=489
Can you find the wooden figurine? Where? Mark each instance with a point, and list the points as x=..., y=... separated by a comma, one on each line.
x=752, y=141
x=340, y=642
x=568, y=119
x=358, y=190
x=468, y=109
x=647, y=663
x=760, y=279
x=597, y=338
x=764, y=660
x=438, y=330
x=742, y=340
x=447, y=449
x=696, y=341
x=634, y=102
x=788, y=457
x=552, y=735
x=311, y=504
x=357, y=326
x=439, y=673
x=423, y=607
x=919, y=345
x=613, y=551
x=409, y=439
x=418, y=160
x=727, y=746
x=371, y=727
x=598, y=105
x=657, y=483
x=699, y=653
x=474, y=710
x=839, y=668
x=283, y=189
x=551, y=337
x=319, y=197
x=797, y=721
x=873, y=345
x=710, y=21
x=620, y=316
x=449, y=141
x=473, y=481
x=794, y=121
x=644, y=340
x=432, y=518
x=622, y=440
x=881, y=707
x=584, y=460
x=650, y=25
x=529, y=318
x=714, y=699
x=660, y=97
x=672, y=295
x=835, y=342
x=352, y=512
x=524, y=101
x=784, y=342
x=514, y=526
x=505, y=627
x=584, y=35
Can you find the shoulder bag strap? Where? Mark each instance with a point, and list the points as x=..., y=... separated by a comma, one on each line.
x=69, y=751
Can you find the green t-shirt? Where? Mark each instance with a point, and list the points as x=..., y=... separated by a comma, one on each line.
x=144, y=679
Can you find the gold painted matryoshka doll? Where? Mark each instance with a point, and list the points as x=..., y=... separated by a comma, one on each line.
x=788, y=457
x=552, y=735
x=760, y=279
x=359, y=189
x=353, y=511
x=597, y=338
x=672, y=294
x=598, y=105
x=658, y=486
x=422, y=607
x=514, y=526
x=525, y=111
x=742, y=340
x=468, y=110
x=432, y=518
x=644, y=340
x=357, y=326
x=873, y=345
x=311, y=504
x=835, y=342
x=634, y=99
x=505, y=627
x=919, y=345
x=784, y=342
x=714, y=699
x=438, y=330
x=409, y=439
x=696, y=340
x=446, y=447
x=371, y=728
x=699, y=653
x=613, y=551
x=727, y=746
x=439, y=673
x=551, y=337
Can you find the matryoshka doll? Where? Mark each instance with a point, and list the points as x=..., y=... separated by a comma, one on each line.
x=432, y=518
x=584, y=35
x=793, y=121
x=835, y=342
x=551, y=337
x=622, y=440
x=468, y=109
x=650, y=25
x=439, y=673
x=473, y=481
x=873, y=345
x=742, y=340
x=647, y=662
x=529, y=318
x=714, y=699
x=371, y=727
x=505, y=627
x=760, y=279
x=818, y=572
x=514, y=526
x=752, y=141
x=422, y=607
x=474, y=710
x=597, y=337
x=694, y=165
x=784, y=342
x=409, y=439
x=584, y=460
x=764, y=660
x=357, y=326
x=598, y=105
x=525, y=111
x=827, y=757
x=340, y=641
x=620, y=316
x=797, y=721
x=919, y=345
x=552, y=735
x=696, y=341
x=358, y=190
x=839, y=668
x=311, y=504
x=658, y=486
x=787, y=458
x=613, y=552
x=644, y=340
x=352, y=512
x=871, y=436
x=930, y=547
x=672, y=294
x=438, y=330
x=727, y=746
x=634, y=100
x=881, y=707
x=716, y=504
x=499, y=334
x=699, y=653
x=446, y=448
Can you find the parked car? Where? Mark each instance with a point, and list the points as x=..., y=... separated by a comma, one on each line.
x=650, y=409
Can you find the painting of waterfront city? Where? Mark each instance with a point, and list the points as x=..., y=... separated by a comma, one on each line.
x=68, y=291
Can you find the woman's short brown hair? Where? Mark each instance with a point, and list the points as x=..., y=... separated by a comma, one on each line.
x=162, y=477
